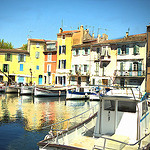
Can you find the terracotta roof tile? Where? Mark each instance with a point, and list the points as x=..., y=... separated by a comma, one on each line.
x=69, y=32
x=14, y=51
x=37, y=40
x=131, y=38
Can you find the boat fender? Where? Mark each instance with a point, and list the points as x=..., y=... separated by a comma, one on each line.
x=86, y=95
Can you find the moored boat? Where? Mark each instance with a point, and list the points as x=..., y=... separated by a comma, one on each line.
x=26, y=90
x=12, y=89
x=122, y=122
x=39, y=91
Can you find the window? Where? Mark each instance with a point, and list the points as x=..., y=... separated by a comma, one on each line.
x=63, y=37
x=8, y=57
x=135, y=66
x=49, y=57
x=103, y=51
x=51, y=46
x=123, y=50
x=5, y=67
x=49, y=68
x=21, y=67
x=98, y=50
x=73, y=79
x=21, y=58
x=109, y=105
x=77, y=51
x=37, y=67
x=62, y=64
x=85, y=68
x=144, y=107
x=62, y=49
x=37, y=45
x=125, y=106
x=86, y=51
x=37, y=55
x=136, y=50
x=76, y=68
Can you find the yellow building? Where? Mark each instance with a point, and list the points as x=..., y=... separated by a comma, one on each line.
x=23, y=66
x=65, y=41
x=13, y=63
x=36, y=48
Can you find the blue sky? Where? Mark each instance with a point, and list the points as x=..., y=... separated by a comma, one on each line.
x=42, y=19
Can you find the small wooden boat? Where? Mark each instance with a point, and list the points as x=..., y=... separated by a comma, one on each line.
x=26, y=90
x=39, y=91
x=12, y=89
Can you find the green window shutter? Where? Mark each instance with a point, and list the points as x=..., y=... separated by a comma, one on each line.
x=121, y=66
x=119, y=51
x=127, y=50
x=137, y=49
x=73, y=71
x=82, y=68
x=83, y=51
x=74, y=51
x=88, y=50
x=3, y=67
x=87, y=68
x=139, y=66
x=130, y=67
x=7, y=68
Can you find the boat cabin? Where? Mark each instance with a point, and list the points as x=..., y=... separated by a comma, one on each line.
x=122, y=115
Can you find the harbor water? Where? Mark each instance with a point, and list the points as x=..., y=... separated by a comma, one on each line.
x=22, y=118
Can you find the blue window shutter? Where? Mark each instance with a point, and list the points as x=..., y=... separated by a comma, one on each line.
x=119, y=51
x=59, y=50
x=65, y=49
x=127, y=50
x=37, y=67
x=21, y=67
x=64, y=64
x=56, y=80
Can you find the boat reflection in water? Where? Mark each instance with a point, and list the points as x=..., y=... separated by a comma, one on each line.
x=22, y=117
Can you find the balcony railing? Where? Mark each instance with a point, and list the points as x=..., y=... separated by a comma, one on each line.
x=129, y=73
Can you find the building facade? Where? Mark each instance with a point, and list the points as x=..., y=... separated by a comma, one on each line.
x=50, y=62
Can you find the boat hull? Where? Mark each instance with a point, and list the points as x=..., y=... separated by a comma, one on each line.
x=12, y=90
x=26, y=90
x=41, y=92
x=73, y=95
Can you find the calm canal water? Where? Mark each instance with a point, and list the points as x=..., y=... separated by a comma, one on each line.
x=22, y=117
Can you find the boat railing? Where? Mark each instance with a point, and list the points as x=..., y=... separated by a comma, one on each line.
x=64, y=125
x=121, y=142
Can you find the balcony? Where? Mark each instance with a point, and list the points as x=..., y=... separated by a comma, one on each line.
x=128, y=73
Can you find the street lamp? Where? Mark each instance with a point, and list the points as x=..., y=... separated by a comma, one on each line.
x=31, y=75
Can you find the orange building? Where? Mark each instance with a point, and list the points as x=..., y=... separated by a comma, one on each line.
x=50, y=61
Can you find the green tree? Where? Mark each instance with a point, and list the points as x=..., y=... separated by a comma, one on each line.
x=24, y=47
x=5, y=45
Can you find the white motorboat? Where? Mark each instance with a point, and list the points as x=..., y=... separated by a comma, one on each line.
x=122, y=123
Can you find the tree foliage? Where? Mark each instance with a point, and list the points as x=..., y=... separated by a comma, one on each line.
x=24, y=47
x=5, y=45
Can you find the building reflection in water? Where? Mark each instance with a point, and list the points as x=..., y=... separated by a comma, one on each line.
x=35, y=112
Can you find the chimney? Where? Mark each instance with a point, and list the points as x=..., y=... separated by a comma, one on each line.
x=127, y=34
x=98, y=38
x=93, y=35
x=60, y=30
x=81, y=27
